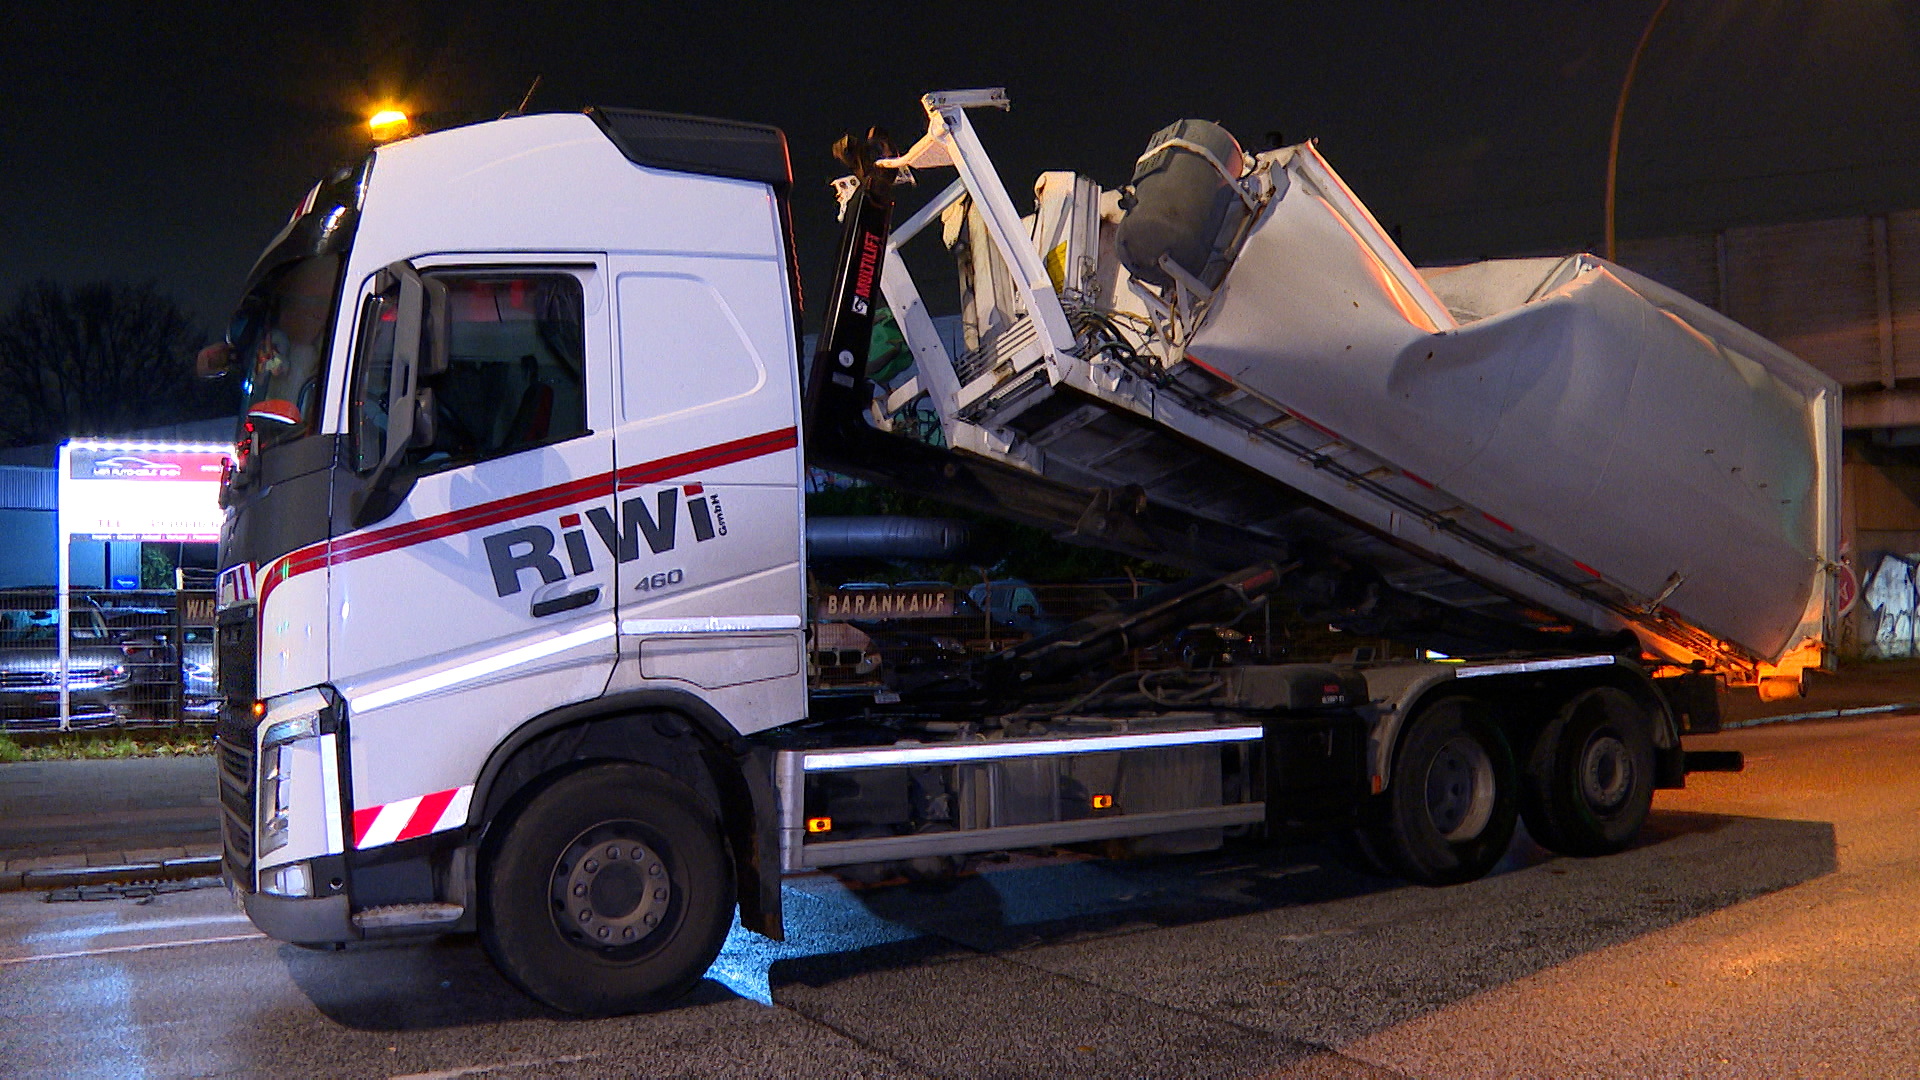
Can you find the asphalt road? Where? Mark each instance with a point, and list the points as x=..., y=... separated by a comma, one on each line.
x=1763, y=927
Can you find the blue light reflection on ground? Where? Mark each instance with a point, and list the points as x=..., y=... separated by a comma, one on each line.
x=824, y=918
x=1045, y=894
x=821, y=917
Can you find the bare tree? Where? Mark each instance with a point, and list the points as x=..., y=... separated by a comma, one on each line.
x=101, y=358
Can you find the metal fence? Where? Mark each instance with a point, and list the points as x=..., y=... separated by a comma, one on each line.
x=134, y=659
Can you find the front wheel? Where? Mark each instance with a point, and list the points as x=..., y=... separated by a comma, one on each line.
x=610, y=893
x=1449, y=812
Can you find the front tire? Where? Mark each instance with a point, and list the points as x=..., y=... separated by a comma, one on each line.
x=1449, y=812
x=611, y=892
x=1589, y=781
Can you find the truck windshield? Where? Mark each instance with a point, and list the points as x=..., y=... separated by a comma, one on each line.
x=280, y=339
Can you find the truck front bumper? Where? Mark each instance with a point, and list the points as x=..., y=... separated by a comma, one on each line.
x=325, y=920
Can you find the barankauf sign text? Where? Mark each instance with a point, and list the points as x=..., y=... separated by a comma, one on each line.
x=890, y=603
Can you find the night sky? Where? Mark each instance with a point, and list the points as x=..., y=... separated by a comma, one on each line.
x=167, y=142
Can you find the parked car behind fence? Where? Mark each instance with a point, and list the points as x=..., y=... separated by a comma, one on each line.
x=135, y=658
x=97, y=677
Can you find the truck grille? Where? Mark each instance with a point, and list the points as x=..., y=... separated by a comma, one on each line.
x=236, y=810
x=235, y=659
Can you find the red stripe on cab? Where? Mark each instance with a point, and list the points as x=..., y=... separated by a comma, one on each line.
x=346, y=549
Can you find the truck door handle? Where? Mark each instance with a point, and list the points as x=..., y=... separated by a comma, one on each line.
x=544, y=608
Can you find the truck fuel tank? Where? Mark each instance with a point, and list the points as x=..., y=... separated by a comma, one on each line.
x=1297, y=687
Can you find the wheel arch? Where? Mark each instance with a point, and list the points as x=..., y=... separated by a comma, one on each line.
x=1398, y=693
x=668, y=729
x=1403, y=691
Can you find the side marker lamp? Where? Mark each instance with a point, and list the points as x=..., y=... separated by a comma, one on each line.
x=819, y=824
x=1103, y=802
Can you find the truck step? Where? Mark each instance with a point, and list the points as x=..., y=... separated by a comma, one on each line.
x=394, y=916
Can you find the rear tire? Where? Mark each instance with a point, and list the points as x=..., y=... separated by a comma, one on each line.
x=611, y=892
x=1590, y=777
x=1449, y=812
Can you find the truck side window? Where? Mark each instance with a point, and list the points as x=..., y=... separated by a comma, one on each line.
x=515, y=377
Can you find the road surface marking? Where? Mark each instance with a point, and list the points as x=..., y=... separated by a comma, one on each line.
x=125, y=928
x=79, y=953
x=478, y=1070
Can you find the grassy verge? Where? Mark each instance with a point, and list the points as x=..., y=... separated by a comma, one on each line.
x=96, y=745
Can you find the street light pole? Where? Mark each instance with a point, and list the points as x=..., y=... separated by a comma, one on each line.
x=1619, y=114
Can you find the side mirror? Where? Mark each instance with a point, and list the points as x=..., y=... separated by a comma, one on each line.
x=385, y=489
x=214, y=361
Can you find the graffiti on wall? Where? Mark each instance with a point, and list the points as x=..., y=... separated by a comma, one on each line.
x=1893, y=622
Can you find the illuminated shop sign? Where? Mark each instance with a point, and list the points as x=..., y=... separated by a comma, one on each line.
x=141, y=491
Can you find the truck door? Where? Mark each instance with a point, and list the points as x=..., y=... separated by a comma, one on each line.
x=711, y=583
x=487, y=597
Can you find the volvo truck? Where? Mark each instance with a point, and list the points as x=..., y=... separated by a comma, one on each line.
x=513, y=614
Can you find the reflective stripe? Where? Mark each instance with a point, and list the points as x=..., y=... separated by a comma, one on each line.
x=723, y=624
x=426, y=816
x=377, y=825
x=1001, y=750
x=330, y=792
x=481, y=668
x=1534, y=665
x=455, y=814
x=409, y=818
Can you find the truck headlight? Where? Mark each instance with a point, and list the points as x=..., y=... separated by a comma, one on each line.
x=276, y=776
x=297, y=794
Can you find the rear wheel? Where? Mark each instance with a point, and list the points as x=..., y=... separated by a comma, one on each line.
x=610, y=893
x=1448, y=814
x=1589, y=780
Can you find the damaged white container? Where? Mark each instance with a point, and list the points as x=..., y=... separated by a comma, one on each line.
x=1540, y=440
x=1680, y=456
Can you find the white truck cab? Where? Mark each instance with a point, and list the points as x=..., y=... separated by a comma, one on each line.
x=592, y=496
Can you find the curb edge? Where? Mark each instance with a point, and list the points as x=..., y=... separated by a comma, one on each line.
x=170, y=870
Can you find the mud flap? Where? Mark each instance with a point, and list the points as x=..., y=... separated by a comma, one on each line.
x=757, y=861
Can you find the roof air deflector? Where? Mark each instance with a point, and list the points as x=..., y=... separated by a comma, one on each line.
x=698, y=144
